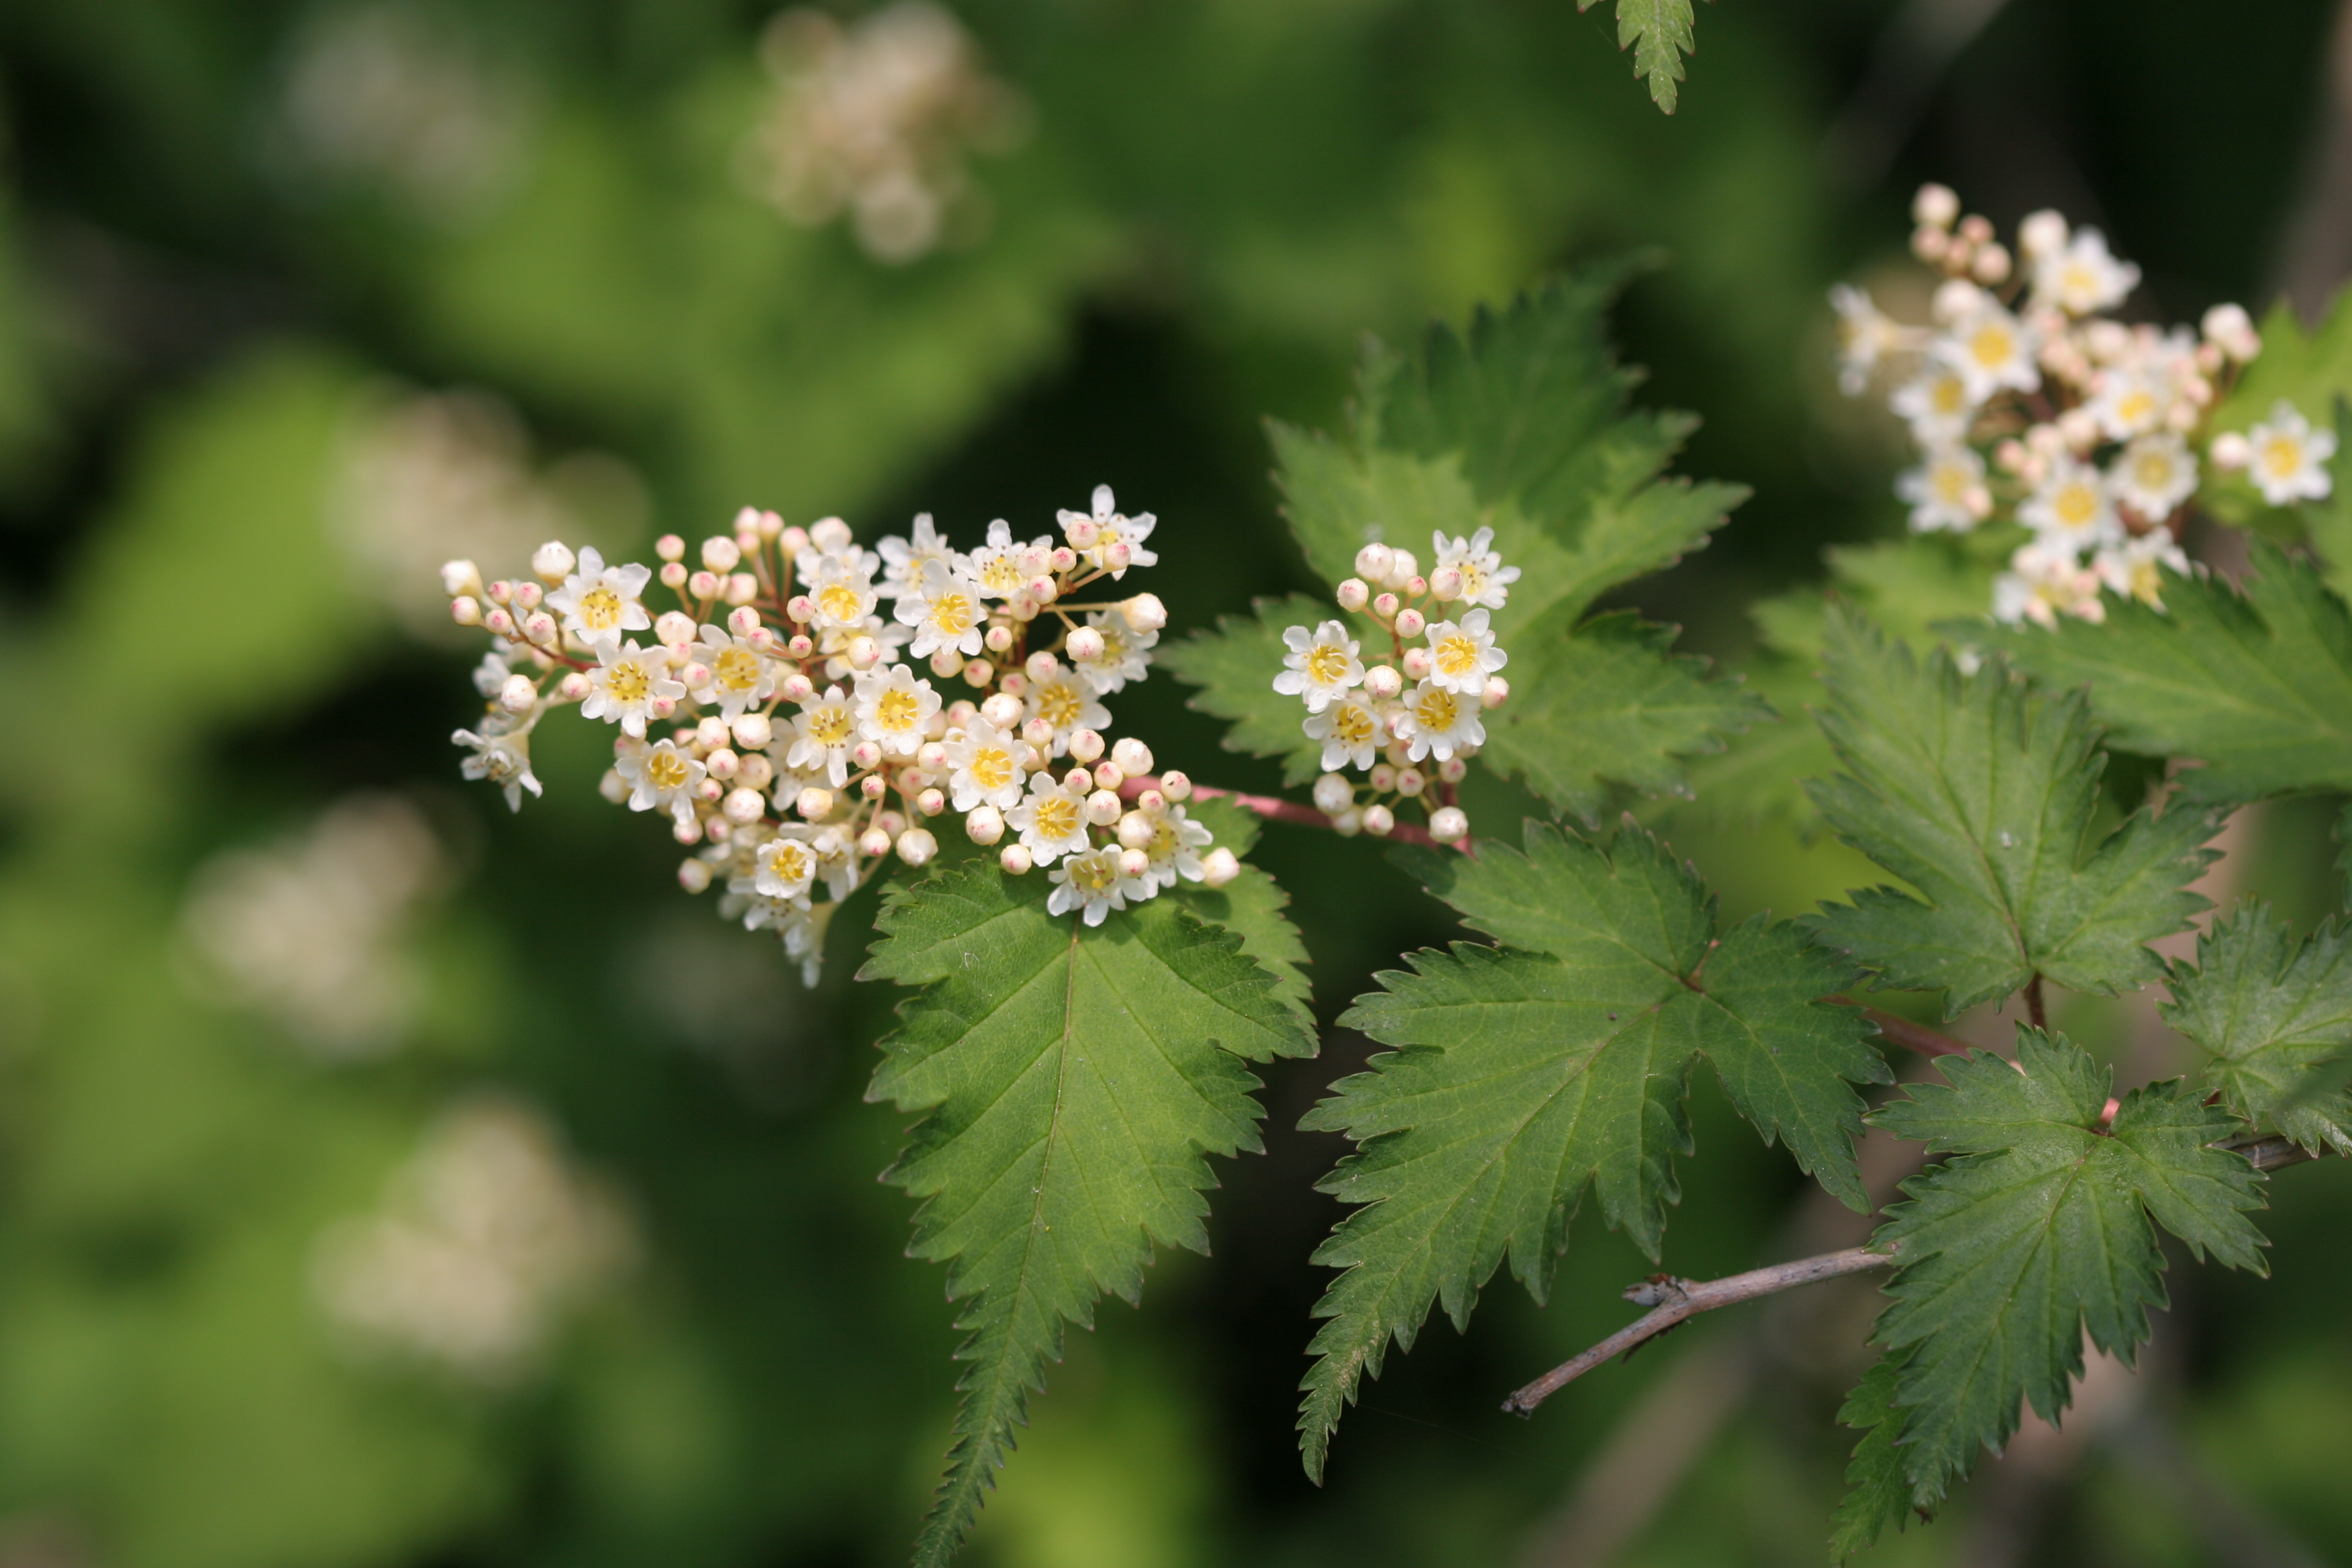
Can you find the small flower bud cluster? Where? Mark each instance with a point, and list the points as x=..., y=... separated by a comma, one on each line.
x=1412, y=723
x=802, y=747
x=2029, y=401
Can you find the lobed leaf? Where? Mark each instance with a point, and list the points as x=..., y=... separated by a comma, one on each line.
x=1979, y=794
x=1659, y=34
x=1878, y=1492
x=1072, y=1079
x=1526, y=1073
x=2253, y=681
x=2274, y=1015
x=2039, y=1233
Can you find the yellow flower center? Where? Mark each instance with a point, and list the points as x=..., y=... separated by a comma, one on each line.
x=789, y=861
x=840, y=601
x=1993, y=345
x=2282, y=455
x=952, y=613
x=1951, y=483
x=628, y=681
x=2075, y=504
x=737, y=669
x=1473, y=579
x=1949, y=394
x=1163, y=840
x=1057, y=816
x=2148, y=583
x=2154, y=470
x=1457, y=655
x=829, y=725
x=1114, y=645
x=991, y=768
x=1354, y=723
x=1436, y=710
x=1095, y=873
x=1001, y=574
x=2135, y=408
x=667, y=770
x=1326, y=664
x=1059, y=704
x=898, y=710
x=2077, y=281
x=600, y=609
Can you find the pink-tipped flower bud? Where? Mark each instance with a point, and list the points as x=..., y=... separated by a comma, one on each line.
x=720, y=554
x=1078, y=781
x=723, y=762
x=812, y=803
x=741, y=588
x=872, y=787
x=709, y=791
x=1085, y=646
x=1104, y=807
x=1333, y=793
x=1134, y=863
x=756, y=772
x=501, y=591
x=1447, y=825
x=1083, y=533
x=527, y=594
x=1061, y=559
x=1137, y=830
x=2230, y=451
x=800, y=608
x=1930, y=245
x=864, y=652
x=1414, y=587
x=1454, y=770
x=1354, y=593
x=518, y=695
x=1416, y=664
x=574, y=687
x=1117, y=556
x=694, y=876
x=1042, y=666
x=1015, y=859
x=539, y=630
x=613, y=787
x=1349, y=822
x=1143, y=613
x=1384, y=777
x=752, y=730
x=461, y=579
x=800, y=646
x=1410, y=782
x=1218, y=868
x=669, y=547
x=1977, y=229
x=465, y=610
x=874, y=842
x=705, y=584
x=1086, y=745
x=1382, y=682
x=983, y=825
x=932, y=756
x=709, y=730
x=1039, y=732
x=1384, y=606
x=674, y=626
x=794, y=539
x=1151, y=803
x=865, y=754
x=1445, y=584
x=797, y=688
x=1935, y=206
x=945, y=663
x=552, y=562
x=499, y=621
x=997, y=639
x=1002, y=712
x=672, y=574
x=1108, y=776
x=2042, y=233
x=744, y=806
x=1403, y=569
x=1379, y=821
x=1176, y=787
x=743, y=620
x=1042, y=591
x=1133, y=757
x=691, y=830
x=694, y=676
x=1498, y=692
x=1411, y=623
x=930, y=803
x=1373, y=561
x=890, y=822
x=1990, y=264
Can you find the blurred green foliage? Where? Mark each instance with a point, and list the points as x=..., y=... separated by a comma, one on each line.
x=209, y=304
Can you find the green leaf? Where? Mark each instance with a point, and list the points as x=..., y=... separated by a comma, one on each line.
x=1980, y=792
x=2255, y=683
x=2273, y=1013
x=2039, y=1232
x=1527, y=1072
x=1234, y=667
x=1251, y=906
x=2310, y=370
x=1072, y=1079
x=1659, y=34
x=1610, y=705
x=1877, y=1492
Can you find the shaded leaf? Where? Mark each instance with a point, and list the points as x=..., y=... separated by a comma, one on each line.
x=2273, y=1014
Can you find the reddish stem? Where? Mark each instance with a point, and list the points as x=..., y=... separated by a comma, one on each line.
x=1265, y=805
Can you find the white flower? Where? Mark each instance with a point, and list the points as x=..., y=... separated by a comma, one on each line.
x=824, y=731
x=842, y=591
x=1864, y=336
x=2154, y=475
x=500, y=756
x=984, y=767
x=1321, y=665
x=832, y=549
x=1175, y=847
x=2290, y=457
x=1938, y=405
x=2135, y=566
x=903, y=559
x=1065, y=700
x=740, y=674
x=1051, y=820
x=626, y=683
x=1114, y=529
x=660, y=777
x=2132, y=401
x=2072, y=510
x=599, y=601
x=785, y=866
x=894, y=709
x=2082, y=277
x=1990, y=349
x=1349, y=731
x=944, y=607
x=490, y=675
x=1093, y=883
x=1126, y=655
x=996, y=565
x=2043, y=583
x=1485, y=581
x=1440, y=722
x=1945, y=490
x=1462, y=653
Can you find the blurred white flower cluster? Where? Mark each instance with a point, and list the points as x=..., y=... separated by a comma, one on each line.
x=312, y=931
x=802, y=751
x=396, y=95
x=485, y=1238
x=1412, y=723
x=877, y=118
x=2027, y=399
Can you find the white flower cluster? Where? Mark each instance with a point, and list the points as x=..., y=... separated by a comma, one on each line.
x=485, y=1238
x=2027, y=398
x=1412, y=723
x=876, y=119
x=802, y=753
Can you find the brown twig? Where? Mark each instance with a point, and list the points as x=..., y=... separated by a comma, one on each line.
x=1904, y=1032
x=1672, y=1299
x=2034, y=1010
x=1274, y=810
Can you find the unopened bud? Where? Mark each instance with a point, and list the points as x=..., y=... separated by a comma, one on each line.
x=1410, y=782
x=872, y=787
x=1411, y=623
x=1015, y=859
x=1038, y=732
x=694, y=876
x=518, y=695
x=2230, y=451
x=800, y=608
x=1117, y=556
x=930, y=803
x=669, y=547
x=1454, y=770
x=743, y=620
x=574, y=687
x=1042, y=666
x=874, y=842
x=997, y=639
x=1134, y=863
x=499, y=621
x=461, y=578
x=1349, y=822
x=743, y=805
x=672, y=574
x=2042, y=233
x=1446, y=583
x=709, y=730
x=720, y=554
x=1447, y=825
x=527, y=594
x=1143, y=613
x=710, y=791
x=613, y=787
x=1498, y=692
x=1086, y=745
x=674, y=626
x=705, y=584
x=1137, y=830
x=1218, y=867
x=1085, y=646
x=1416, y=664
x=1333, y=793
x=1935, y=206
x=813, y=803
x=539, y=630
x=1385, y=606
x=946, y=663
x=1175, y=787
x=864, y=652
x=797, y=688
x=752, y=730
x=1104, y=807
x=794, y=539
x=917, y=847
x=800, y=646
x=741, y=588
x=1133, y=757
x=829, y=533
x=1083, y=533
x=1108, y=776
x=1373, y=561
x=1151, y=803
x=1354, y=595
x=465, y=610
x=756, y=771
x=722, y=761
x=1379, y=821
x=984, y=825
x=691, y=830
x=1383, y=683
x=1990, y=264
x=1043, y=590
x=1403, y=569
